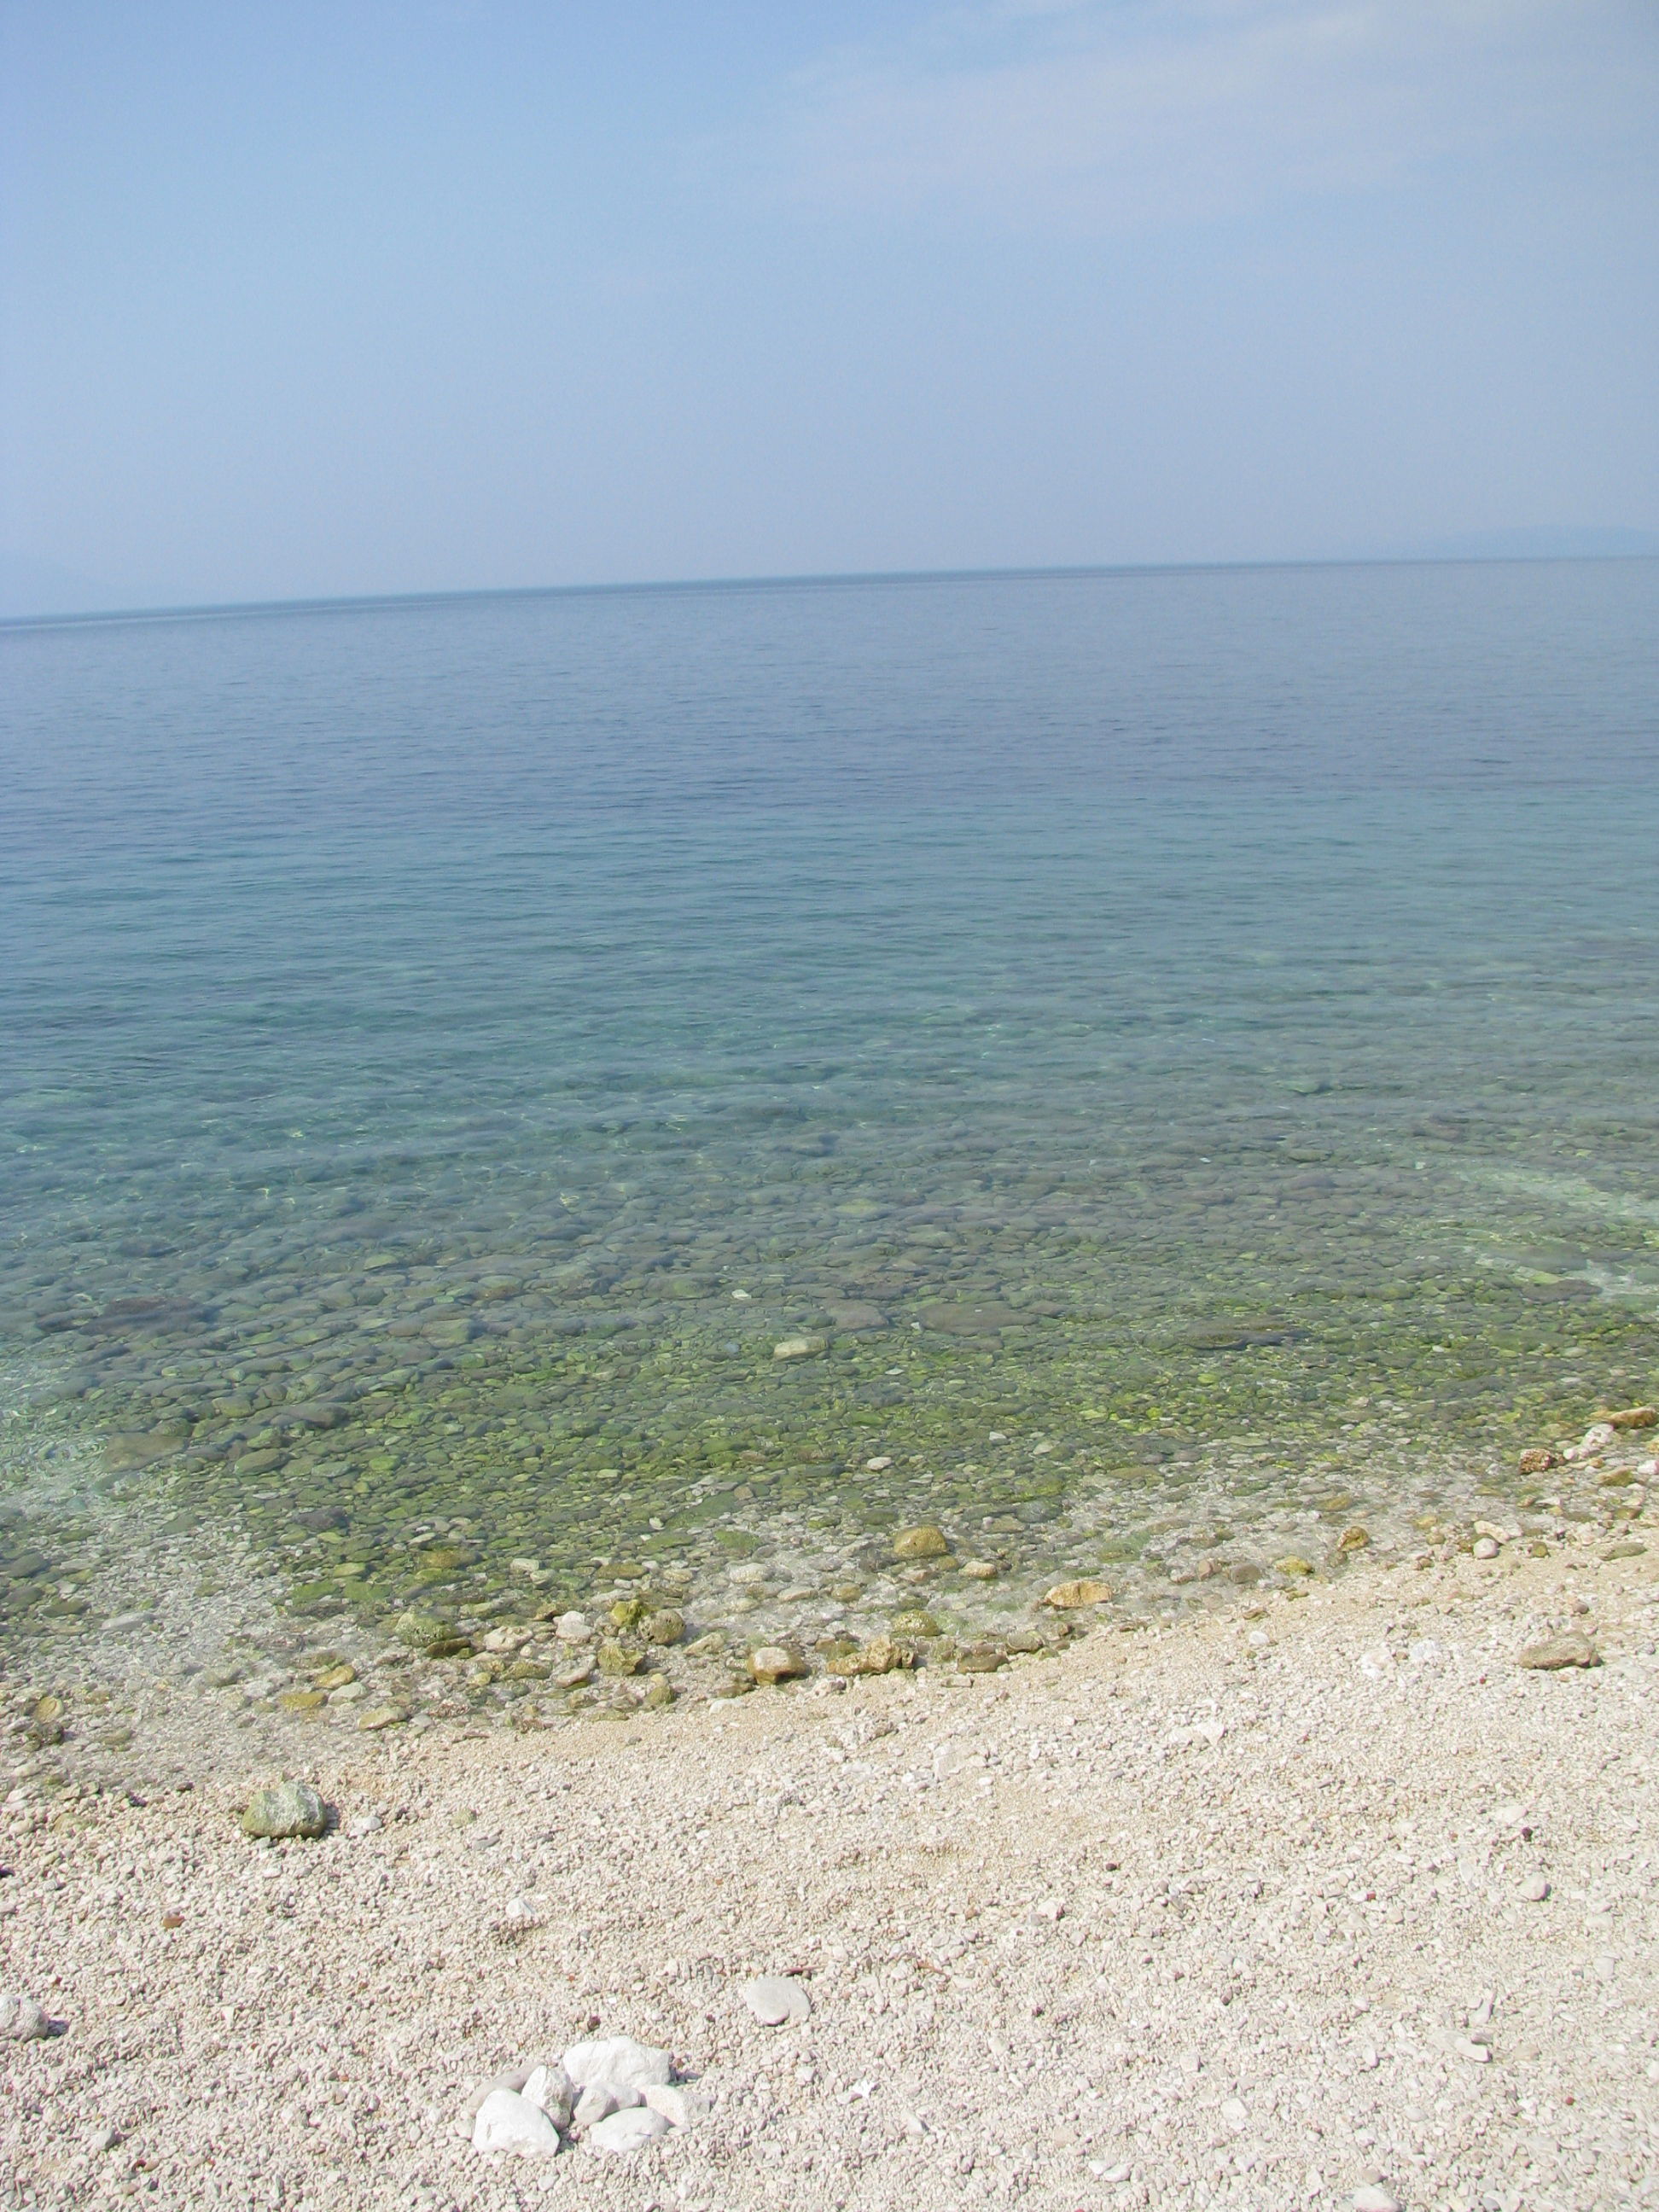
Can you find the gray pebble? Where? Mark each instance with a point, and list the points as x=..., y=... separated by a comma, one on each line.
x=21, y=2021
x=287, y=1809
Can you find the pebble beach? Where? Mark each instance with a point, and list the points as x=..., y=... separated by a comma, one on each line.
x=1338, y=1897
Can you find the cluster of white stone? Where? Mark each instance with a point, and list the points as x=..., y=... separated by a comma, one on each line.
x=612, y=2096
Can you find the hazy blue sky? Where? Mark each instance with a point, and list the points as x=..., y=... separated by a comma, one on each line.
x=395, y=295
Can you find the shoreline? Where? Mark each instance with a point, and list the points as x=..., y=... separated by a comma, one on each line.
x=1188, y=1916
x=202, y=1641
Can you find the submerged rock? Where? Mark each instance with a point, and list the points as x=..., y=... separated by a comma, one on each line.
x=881, y=1654
x=1070, y=1596
x=926, y=1542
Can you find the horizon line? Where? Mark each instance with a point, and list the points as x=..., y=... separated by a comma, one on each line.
x=369, y=602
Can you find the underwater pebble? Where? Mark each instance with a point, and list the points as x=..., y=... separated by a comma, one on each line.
x=1070, y=1596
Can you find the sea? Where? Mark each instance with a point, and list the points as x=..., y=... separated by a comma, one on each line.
x=1153, y=1074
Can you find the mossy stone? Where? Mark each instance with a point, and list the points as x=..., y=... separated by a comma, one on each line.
x=286, y=1809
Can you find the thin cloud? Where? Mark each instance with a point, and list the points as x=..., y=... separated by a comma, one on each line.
x=1148, y=111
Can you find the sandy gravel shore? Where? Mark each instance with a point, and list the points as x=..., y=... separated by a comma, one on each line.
x=1249, y=1912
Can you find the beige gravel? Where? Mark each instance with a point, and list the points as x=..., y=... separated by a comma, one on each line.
x=1221, y=1914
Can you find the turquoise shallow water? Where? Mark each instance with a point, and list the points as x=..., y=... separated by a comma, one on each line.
x=1183, y=1044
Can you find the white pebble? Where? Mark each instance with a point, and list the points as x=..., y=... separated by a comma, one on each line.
x=506, y=2121
x=680, y=2106
x=1535, y=1890
x=1372, y=2198
x=775, y=1998
x=572, y=1628
x=550, y=2088
x=626, y=2131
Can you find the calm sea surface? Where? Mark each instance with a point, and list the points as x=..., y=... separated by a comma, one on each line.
x=1181, y=1048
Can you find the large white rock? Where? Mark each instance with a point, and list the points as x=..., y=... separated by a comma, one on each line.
x=626, y=2131
x=627, y=2069
x=506, y=2121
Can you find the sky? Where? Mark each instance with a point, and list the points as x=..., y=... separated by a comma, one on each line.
x=399, y=295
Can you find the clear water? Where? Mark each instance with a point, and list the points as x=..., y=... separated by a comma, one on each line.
x=1184, y=1042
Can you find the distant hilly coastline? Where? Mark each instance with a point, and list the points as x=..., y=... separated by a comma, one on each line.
x=32, y=591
